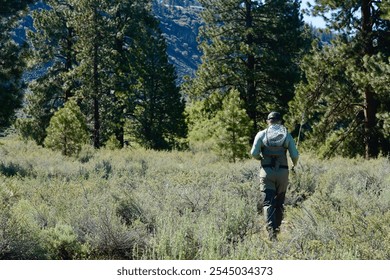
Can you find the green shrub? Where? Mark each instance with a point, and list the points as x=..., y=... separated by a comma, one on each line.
x=113, y=143
x=20, y=234
x=61, y=243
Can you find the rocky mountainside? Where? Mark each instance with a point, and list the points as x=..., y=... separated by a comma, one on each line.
x=180, y=25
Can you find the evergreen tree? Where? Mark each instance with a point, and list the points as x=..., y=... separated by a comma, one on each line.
x=227, y=133
x=378, y=76
x=343, y=95
x=92, y=23
x=127, y=23
x=110, y=56
x=201, y=127
x=146, y=96
x=60, y=35
x=158, y=119
x=232, y=128
x=11, y=67
x=11, y=61
x=142, y=82
x=37, y=112
x=67, y=131
x=52, y=47
x=252, y=46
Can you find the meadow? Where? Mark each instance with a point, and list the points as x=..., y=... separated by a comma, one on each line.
x=143, y=204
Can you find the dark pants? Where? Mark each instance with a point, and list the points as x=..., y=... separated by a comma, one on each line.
x=273, y=209
x=274, y=182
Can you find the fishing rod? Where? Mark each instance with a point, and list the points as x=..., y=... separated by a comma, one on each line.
x=299, y=136
x=300, y=129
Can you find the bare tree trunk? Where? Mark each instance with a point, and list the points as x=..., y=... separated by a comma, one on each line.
x=370, y=121
x=250, y=81
x=69, y=59
x=371, y=103
x=96, y=114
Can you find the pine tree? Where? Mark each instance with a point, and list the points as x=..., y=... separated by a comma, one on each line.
x=52, y=46
x=11, y=61
x=342, y=97
x=252, y=46
x=92, y=23
x=60, y=35
x=127, y=22
x=11, y=67
x=158, y=119
x=201, y=127
x=111, y=57
x=325, y=101
x=67, y=131
x=232, y=128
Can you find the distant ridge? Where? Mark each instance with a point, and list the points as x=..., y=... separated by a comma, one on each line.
x=179, y=25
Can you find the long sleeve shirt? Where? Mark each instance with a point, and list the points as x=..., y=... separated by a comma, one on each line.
x=289, y=144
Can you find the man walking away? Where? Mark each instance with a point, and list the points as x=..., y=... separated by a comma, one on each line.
x=270, y=147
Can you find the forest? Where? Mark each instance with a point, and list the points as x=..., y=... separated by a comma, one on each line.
x=105, y=153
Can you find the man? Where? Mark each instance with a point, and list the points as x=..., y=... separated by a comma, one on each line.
x=270, y=147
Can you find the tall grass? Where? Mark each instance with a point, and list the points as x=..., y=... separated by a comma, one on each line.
x=143, y=204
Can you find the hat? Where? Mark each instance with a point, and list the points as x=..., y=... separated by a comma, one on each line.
x=274, y=116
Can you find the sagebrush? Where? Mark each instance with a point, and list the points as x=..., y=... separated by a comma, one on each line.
x=144, y=204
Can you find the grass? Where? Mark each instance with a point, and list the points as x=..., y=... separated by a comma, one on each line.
x=144, y=204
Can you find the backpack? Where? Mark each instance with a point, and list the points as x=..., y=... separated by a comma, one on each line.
x=275, y=136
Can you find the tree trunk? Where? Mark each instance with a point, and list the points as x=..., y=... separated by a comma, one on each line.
x=371, y=104
x=371, y=136
x=120, y=133
x=69, y=60
x=250, y=81
x=96, y=114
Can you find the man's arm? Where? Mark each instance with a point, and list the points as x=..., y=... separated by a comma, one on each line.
x=292, y=149
x=256, y=147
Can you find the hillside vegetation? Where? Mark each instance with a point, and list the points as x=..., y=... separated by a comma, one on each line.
x=144, y=204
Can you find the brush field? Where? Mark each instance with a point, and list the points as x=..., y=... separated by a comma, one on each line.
x=143, y=204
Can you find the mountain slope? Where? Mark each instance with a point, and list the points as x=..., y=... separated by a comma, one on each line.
x=180, y=26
